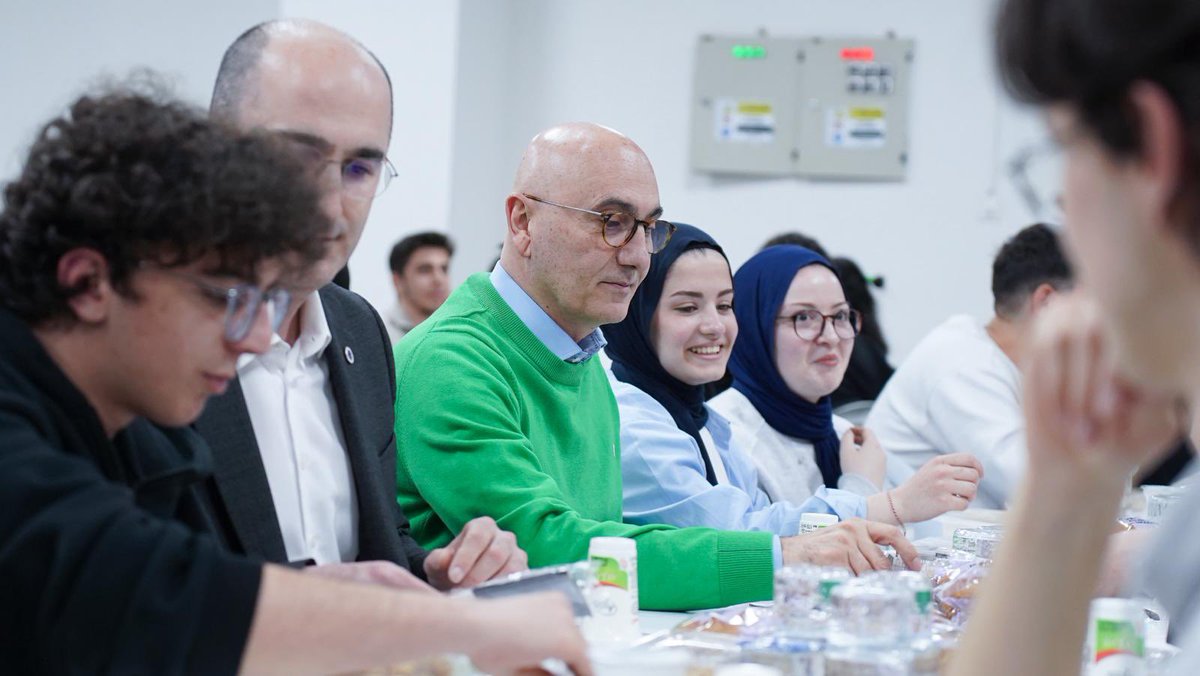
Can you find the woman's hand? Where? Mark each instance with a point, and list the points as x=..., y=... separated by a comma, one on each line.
x=861, y=454
x=945, y=483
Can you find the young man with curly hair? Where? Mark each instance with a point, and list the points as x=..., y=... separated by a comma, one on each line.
x=143, y=249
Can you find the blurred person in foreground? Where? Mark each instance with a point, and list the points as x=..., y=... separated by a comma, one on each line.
x=1119, y=82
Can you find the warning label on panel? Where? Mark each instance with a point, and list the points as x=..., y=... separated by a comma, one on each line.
x=745, y=121
x=856, y=127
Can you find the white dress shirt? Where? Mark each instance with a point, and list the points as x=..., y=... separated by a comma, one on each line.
x=299, y=433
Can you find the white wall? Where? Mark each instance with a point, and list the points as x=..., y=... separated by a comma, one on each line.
x=52, y=50
x=628, y=64
x=475, y=79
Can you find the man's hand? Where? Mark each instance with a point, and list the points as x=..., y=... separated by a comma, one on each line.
x=515, y=634
x=1122, y=552
x=852, y=544
x=947, y=482
x=383, y=573
x=1086, y=425
x=861, y=454
x=480, y=552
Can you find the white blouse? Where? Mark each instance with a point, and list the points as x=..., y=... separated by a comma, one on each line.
x=787, y=468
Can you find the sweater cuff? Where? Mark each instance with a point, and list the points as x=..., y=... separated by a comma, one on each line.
x=745, y=563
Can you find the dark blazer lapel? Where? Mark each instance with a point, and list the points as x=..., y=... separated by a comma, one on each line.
x=360, y=387
x=239, y=478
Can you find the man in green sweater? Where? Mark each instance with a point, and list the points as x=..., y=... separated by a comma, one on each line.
x=502, y=410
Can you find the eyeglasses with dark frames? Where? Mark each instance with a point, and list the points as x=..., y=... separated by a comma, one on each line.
x=618, y=227
x=810, y=324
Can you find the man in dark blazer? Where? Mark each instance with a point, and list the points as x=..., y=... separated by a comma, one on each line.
x=303, y=440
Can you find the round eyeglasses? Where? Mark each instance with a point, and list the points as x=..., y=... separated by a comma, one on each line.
x=362, y=178
x=618, y=227
x=242, y=303
x=810, y=324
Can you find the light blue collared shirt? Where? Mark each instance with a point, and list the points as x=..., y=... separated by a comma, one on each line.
x=546, y=329
x=664, y=479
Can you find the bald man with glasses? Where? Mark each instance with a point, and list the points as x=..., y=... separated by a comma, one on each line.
x=504, y=409
x=303, y=439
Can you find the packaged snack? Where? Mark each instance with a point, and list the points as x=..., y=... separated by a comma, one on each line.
x=1160, y=500
x=954, y=581
x=979, y=540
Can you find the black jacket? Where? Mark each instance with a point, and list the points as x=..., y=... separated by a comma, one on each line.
x=365, y=392
x=107, y=562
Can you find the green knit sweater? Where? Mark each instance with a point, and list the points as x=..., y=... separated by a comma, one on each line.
x=490, y=422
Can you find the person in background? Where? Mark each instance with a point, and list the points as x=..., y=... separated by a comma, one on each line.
x=1104, y=373
x=420, y=265
x=303, y=442
x=959, y=391
x=796, y=331
x=505, y=411
x=679, y=464
x=797, y=239
x=142, y=250
x=869, y=369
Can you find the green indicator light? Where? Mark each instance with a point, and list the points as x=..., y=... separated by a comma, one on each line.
x=748, y=52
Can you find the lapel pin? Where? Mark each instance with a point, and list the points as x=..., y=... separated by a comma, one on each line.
x=349, y=355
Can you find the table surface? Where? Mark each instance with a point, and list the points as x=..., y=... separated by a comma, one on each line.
x=651, y=621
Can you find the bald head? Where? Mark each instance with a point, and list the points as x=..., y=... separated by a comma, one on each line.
x=560, y=256
x=270, y=43
x=322, y=91
x=573, y=155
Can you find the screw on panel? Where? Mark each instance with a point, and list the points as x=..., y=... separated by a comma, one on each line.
x=800, y=55
x=903, y=158
x=795, y=154
x=706, y=102
x=706, y=38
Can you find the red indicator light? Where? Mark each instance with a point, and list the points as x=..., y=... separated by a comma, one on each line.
x=858, y=54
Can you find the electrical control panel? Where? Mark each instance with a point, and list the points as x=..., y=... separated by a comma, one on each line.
x=816, y=107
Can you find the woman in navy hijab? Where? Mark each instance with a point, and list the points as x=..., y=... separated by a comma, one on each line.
x=797, y=332
x=678, y=460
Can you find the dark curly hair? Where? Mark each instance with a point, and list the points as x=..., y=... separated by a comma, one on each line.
x=139, y=177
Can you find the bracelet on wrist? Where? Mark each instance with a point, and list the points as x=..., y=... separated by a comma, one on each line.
x=895, y=514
